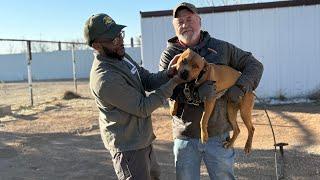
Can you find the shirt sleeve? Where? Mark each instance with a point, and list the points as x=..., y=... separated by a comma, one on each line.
x=152, y=81
x=165, y=60
x=248, y=65
x=117, y=92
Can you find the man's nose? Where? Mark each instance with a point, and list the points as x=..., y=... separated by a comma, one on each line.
x=184, y=25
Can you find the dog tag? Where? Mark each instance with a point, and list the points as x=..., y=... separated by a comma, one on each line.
x=186, y=92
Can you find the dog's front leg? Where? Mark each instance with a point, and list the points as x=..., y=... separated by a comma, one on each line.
x=173, y=104
x=208, y=110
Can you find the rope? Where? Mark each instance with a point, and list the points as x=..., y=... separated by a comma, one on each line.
x=273, y=135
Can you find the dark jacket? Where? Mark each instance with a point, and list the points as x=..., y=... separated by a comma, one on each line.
x=124, y=109
x=188, y=125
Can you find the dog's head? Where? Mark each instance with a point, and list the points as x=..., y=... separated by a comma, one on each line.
x=189, y=65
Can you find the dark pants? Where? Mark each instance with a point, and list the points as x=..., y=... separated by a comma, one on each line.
x=138, y=164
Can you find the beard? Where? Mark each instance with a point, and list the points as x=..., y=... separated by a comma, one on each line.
x=186, y=37
x=113, y=53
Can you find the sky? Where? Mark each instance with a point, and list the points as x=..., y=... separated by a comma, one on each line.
x=63, y=20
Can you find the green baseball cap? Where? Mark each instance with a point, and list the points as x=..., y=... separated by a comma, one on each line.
x=184, y=5
x=101, y=26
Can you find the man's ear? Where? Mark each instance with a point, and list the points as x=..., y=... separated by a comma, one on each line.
x=96, y=46
x=199, y=19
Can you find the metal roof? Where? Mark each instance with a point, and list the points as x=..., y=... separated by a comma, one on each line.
x=239, y=7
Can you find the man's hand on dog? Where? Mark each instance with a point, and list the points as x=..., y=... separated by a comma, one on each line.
x=234, y=94
x=207, y=90
x=172, y=70
x=178, y=80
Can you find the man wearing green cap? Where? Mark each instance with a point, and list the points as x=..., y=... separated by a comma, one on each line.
x=118, y=85
x=188, y=149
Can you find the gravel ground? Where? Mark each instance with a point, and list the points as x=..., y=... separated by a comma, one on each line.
x=59, y=139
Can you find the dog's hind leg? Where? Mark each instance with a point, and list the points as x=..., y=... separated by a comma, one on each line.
x=208, y=110
x=246, y=115
x=232, y=116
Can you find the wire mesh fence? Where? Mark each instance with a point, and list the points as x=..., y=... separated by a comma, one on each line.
x=17, y=94
x=34, y=72
x=19, y=46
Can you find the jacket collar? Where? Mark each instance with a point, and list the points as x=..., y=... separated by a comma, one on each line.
x=121, y=66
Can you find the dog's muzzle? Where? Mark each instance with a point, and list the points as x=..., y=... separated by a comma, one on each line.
x=184, y=75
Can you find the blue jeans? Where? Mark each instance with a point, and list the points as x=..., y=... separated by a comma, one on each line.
x=218, y=160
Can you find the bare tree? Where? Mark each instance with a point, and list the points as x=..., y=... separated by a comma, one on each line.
x=77, y=46
x=39, y=47
x=210, y=2
x=230, y=2
x=203, y=3
x=23, y=47
x=11, y=48
x=207, y=3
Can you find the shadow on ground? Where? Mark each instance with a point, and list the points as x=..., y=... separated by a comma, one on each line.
x=307, y=137
x=311, y=108
x=17, y=115
x=70, y=156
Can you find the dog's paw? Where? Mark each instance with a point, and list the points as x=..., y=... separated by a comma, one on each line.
x=247, y=149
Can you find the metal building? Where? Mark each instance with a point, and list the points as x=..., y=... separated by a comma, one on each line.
x=284, y=36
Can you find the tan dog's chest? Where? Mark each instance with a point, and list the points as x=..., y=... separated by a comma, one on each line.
x=224, y=76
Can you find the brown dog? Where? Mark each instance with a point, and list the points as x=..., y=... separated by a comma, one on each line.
x=189, y=66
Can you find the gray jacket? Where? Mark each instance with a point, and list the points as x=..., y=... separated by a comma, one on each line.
x=188, y=125
x=125, y=110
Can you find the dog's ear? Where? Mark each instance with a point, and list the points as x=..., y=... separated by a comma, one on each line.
x=174, y=66
x=206, y=65
x=205, y=73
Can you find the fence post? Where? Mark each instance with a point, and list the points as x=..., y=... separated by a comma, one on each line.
x=74, y=68
x=59, y=46
x=131, y=40
x=29, y=59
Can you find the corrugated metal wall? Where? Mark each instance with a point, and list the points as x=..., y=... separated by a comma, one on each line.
x=52, y=65
x=286, y=40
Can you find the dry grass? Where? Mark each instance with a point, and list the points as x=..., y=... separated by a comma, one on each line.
x=297, y=125
x=74, y=122
x=315, y=95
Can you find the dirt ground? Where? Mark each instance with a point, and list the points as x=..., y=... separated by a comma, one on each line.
x=59, y=139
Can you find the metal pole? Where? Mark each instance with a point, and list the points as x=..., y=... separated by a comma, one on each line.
x=74, y=69
x=131, y=40
x=29, y=59
x=281, y=169
x=59, y=46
